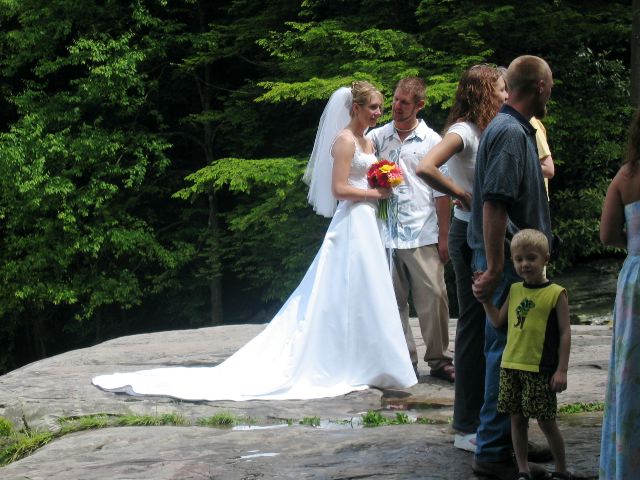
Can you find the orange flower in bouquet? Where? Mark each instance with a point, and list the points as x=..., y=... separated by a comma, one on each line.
x=384, y=174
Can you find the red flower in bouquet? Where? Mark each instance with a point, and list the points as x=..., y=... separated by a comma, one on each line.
x=385, y=174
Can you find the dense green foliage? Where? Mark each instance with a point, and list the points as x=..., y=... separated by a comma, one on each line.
x=151, y=150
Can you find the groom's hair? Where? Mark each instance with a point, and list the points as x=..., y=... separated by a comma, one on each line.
x=414, y=86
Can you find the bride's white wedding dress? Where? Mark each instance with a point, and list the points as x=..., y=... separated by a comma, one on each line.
x=339, y=331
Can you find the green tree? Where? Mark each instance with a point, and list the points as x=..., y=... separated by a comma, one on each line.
x=81, y=170
x=108, y=108
x=276, y=214
x=218, y=48
x=584, y=42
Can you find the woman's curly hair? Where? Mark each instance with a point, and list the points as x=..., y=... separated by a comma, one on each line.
x=475, y=100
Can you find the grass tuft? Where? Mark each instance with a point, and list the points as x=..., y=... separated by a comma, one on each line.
x=376, y=419
x=88, y=422
x=6, y=427
x=220, y=420
x=426, y=421
x=151, y=420
x=23, y=445
x=581, y=407
x=310, y=421
x=16, y=445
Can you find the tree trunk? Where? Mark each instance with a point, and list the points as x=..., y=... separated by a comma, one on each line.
x=38, y=337
x=208, y=134
x=635, y=55
x=215, y=285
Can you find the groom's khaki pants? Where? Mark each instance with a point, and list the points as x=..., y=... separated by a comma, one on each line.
x=420, y=272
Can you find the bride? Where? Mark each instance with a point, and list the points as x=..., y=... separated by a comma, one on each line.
x=340, y=330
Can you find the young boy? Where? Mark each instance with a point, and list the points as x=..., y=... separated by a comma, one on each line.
x=536, y=357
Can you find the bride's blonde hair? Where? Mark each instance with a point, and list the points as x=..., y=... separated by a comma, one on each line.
x=362, y=92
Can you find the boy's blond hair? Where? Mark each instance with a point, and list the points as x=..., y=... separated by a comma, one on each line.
x=530, y=238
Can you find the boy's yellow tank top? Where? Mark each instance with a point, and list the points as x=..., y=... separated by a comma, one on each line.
x=532, y=334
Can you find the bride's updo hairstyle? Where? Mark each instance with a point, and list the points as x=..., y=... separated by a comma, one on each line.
x=362, y=92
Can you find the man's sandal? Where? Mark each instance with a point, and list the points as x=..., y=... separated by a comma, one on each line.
x=446, y=372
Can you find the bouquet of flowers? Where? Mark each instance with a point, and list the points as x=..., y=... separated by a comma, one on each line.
x=385, y=174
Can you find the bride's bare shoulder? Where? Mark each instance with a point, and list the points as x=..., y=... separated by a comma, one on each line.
x=345, y=136
x=344, y=143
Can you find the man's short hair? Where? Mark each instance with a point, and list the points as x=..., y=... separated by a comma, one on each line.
x=525, y=72
x=415, y=86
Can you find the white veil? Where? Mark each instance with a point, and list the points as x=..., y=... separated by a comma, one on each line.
x=335, y=117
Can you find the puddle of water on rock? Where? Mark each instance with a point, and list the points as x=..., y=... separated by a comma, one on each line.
x=354, y=422
x=257, y=455
x=258, y=427
x=327, y=424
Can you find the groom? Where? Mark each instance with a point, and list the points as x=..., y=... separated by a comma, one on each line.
x=419, y=237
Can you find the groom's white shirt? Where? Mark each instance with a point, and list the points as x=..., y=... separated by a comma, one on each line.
x=417, y=223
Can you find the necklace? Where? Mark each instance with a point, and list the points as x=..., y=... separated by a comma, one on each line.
x=405, y=130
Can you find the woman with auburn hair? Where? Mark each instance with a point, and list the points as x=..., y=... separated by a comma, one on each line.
x=480, y=94
x=620, y=227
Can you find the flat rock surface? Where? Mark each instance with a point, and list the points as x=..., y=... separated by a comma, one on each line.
x=273, y=443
